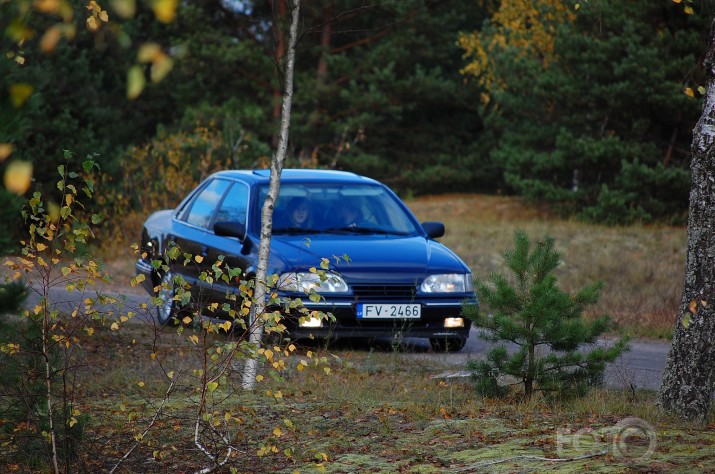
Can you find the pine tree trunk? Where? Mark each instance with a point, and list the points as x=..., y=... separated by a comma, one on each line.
x=689, y=376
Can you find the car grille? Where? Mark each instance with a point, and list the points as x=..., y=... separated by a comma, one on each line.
x=384, y=291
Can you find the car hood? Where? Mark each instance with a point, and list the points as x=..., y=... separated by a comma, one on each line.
x=390, y=259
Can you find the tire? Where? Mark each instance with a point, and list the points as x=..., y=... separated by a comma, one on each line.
x=447, y=344
x=167, y=312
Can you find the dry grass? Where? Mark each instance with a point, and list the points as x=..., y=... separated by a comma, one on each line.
x=641, y=267
x=375, y=411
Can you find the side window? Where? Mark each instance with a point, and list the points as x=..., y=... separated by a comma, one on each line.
x=234, y=206
x=205, y=203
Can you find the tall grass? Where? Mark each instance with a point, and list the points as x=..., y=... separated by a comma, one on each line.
x=641, y=267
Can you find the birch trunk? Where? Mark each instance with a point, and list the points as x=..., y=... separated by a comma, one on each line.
x=257, y=309
x=689, y=376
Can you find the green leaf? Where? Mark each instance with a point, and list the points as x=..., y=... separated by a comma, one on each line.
x=135, y=82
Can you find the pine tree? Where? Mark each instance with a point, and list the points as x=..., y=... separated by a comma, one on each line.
x=546, y=325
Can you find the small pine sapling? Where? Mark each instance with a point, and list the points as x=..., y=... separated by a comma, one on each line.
x=540, y=326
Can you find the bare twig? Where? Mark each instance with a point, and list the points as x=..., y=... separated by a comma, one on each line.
x=153, y=420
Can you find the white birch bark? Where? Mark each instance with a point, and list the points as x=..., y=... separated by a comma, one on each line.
x=689, y=376
x=257, y=309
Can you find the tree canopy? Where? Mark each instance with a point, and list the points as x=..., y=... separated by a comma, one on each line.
x=588, y=105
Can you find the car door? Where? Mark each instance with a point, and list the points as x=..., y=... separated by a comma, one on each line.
x=193, y=236
x=236, y=254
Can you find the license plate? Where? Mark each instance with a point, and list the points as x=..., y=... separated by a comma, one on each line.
x=389, y=311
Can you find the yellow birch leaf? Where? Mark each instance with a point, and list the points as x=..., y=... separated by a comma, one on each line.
x=170, y=374
x=186, y=320
x=72, y=422
x=259, y=378
x=198, y=258
x=49, y=40
x=19, y=93
x=6, y=150
x=141, y=384
x=41, y=247
x=18, y=176
x=688, y=10
x=92, y=24
x=277, y=432
x=135, y=82
x=161, y=68
x=693, y=307
x=148, y=52
x=46, y=6
x=165, y=10
x=194, y=339
x=689, y=92
x=114, y=326
x=104, y=16
x=124, y=8
x=212, y=386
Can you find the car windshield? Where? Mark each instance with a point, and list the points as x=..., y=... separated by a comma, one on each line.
x=336, y=209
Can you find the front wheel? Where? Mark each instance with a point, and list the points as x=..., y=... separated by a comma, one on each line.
x=448, y=344
x=168, y=309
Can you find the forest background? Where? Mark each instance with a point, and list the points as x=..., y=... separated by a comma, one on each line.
x=585, y=106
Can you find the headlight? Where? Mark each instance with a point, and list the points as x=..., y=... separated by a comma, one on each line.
x=448, y=283
x=306, y=281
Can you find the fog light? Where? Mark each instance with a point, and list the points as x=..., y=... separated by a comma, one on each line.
x=454, y=322
x=310, y=322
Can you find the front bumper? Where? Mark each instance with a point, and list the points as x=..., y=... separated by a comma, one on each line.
x=346, y=323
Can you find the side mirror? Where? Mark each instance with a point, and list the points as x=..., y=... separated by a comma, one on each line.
x=230, y=229
x=433, y=229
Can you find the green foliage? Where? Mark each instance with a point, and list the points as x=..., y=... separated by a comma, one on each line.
x=603, y=129
x=41, y=419
x=10, y=221
x=543, y=324
x=12, y=295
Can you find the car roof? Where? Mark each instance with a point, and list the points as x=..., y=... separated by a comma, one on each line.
x=296, y=175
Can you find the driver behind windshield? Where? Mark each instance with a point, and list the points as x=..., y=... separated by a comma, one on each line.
x=348, y=214
x=298, y=213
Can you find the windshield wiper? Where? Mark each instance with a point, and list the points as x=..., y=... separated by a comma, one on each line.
x=363, y=230
x=296, y=230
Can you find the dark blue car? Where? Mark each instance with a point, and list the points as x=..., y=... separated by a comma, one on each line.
x=392, y=277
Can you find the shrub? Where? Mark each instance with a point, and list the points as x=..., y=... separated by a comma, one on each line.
x=532, y=314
